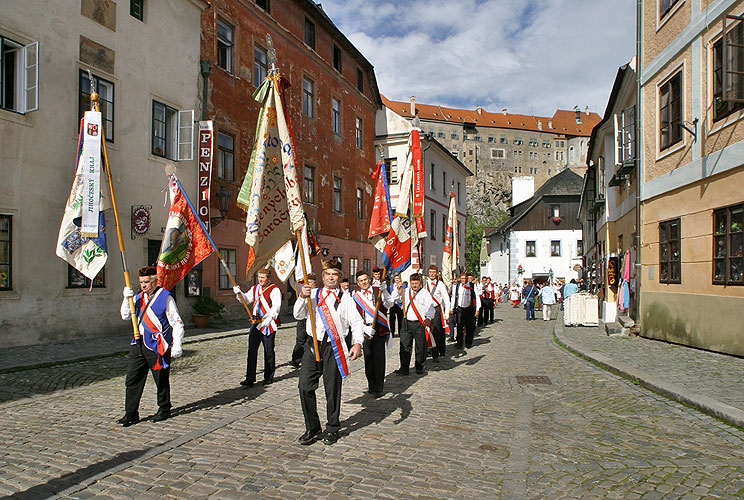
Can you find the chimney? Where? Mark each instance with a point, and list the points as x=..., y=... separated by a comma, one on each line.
x=539, y=124
x=479, y=109
x=550, y=124
x=503, y=111
x=523, y=188
x=413, y=105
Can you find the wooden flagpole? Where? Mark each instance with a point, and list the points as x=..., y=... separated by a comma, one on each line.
x=94, y=99
x=311, y=313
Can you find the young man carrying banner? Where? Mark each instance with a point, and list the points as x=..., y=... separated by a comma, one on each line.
x=161, y=336
x=300, y=334
x=335, y=313
x=376, y=333
x=419, y=310
x=439, y=327
x=266, y=299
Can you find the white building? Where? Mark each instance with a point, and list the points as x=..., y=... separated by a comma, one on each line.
x=443, y=174
x=145, y=63
x=542, y=236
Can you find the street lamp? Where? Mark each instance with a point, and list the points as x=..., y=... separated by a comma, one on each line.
x=223, y=202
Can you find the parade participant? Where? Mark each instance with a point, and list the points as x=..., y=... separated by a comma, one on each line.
x=438, y=291
x=418, y=312
x=484, y=295
x=376, y=276
x=334, y=312
x=345, y=284
x=465, y=304
x=396, y=311
x=375, y=332
x=300, y=335
x=161, y=337
x=267, y=300
x=491, y=292
x=547, y=297
x=514, y=295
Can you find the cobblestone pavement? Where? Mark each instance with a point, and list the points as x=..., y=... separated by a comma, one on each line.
x=515, y=417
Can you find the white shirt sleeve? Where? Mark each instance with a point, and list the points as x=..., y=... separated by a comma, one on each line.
x=356, y=323
x=300, y=308
x=276, y=303
x=431, y=309
x=171, y=312
x=387, y=298
x=454, y=294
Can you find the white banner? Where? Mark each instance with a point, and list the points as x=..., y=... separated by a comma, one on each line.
x=91, y=159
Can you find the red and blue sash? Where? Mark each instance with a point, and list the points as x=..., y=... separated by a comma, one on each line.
x=262, y=305
x=427, y=332
x=153, y=324
x=369, y=310
x=337, y=343
x=445, y=323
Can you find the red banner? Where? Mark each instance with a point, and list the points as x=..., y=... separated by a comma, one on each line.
x=418, y=184
x=206, y=145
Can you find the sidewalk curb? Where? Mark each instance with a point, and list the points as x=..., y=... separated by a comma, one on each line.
x=722, y=411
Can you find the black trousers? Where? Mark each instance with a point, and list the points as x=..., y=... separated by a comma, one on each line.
x=413, y=330
x=255, y=338
x=466, y=322
x=374, y=362
x=308, y=384
x=395, y=315
x=300, y=339
x=437, y=331
x=489, y=310
x=140, y=360
x=486, y=312
x=453, y=326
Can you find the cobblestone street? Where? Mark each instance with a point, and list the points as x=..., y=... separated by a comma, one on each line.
x=516, y=416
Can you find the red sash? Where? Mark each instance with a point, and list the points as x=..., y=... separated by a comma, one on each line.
x=262, y=305
x=429, y=337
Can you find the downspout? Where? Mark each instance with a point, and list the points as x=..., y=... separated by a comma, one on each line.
x=639, y=169
x=205, y=68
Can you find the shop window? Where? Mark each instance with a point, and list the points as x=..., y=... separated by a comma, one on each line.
x=670, y=263
x=728, y=246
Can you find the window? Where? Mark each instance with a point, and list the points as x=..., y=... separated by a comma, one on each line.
x=264, y=4
x=454, y=136
x=579, y=248
x=367, y=265
x=260, y=65
x=309, y=33
x=444, y=182
x=225, y=156
x=137, y=9
x=6, y=255
x=360, y=80
x=336, y=116
x=559, y=156
x=307, y=97
x=724, y=105
x=440, y=134
x=75, y=279
x=669, y=252
x=546, y=143
x=392, y=170
x=432, y=225
x=337, y=195
x=625, y=135
x=359, y=133
x=336, y=57
x=665, y=6
x=353, y=266
x=338, y=259
x=19, y=76
x=490, y=137
x=555, y=248
x=459, y=199
x=728, y=246
x=225, y=45
x=360, y=203
x=478, y=137
x=529, y=249
x=503, y=140
x=555, y=211
x=533, y=142
x=432, y=184
x=670, y=112
x=309, y=184
x=497, y=153
x=172, y=132
x=456, y=154
x=228, y=255
x=518, y=140
x=444, y=226
x=105, y=91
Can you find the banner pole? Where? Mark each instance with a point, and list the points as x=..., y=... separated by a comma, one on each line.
x=311, y=313
x=94, y=99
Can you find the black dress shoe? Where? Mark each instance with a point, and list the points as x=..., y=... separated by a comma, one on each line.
x=267, y=382
x=378, y=394
x=330, y=437
x=420, y=371
x=160, y=416
x=128, y=420
x=309, y=437
x=246, y=383
x=401, y=371
x=295, y=364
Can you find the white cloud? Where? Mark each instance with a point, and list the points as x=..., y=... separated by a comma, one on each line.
x=526, y=55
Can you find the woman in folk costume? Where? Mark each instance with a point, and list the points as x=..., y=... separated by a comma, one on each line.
x=335, y=314
x=161, y=335
x=376, y=333
x=267, y=300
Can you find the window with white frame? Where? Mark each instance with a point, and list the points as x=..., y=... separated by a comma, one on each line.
x=19, y=76
x=360, y=203
x=530, y=248
x=670, y=112
x=728, y=88
x=172, y=132
x=225, y=45
x=337, y=199
x=498, y=153
x=555, y=248
x=625, y=135
x=260, y=65
x=336, y=116
x=358, y=133
x=392, y=170
x=665, y=6
x=307, y=97
x=353, y=266
x=105, y=90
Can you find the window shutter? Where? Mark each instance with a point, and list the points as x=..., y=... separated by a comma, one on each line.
x=30, y=55
x=618, y=139
x=185, y=135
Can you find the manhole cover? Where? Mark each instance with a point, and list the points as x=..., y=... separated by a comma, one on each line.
x=533, y=379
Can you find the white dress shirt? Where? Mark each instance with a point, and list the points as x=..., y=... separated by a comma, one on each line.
x=275, y=296
x=347, y=313
x=462, y=295
x=171, y=312
x=438, y=291
x=369, y=296
x=424, y=304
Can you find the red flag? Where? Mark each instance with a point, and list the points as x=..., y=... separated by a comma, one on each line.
x=396, y=256
x=418, y=184
x=184, y=244
x=379, y=221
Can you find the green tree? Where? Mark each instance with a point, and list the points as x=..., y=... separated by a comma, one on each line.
x=474, y=237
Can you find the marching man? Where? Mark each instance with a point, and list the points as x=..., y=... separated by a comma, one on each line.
x=161, y=335
x=465, y=303
x=439, y=326
x=266, y=299
x=418, y=312
x=335, y=314
x=375, y=332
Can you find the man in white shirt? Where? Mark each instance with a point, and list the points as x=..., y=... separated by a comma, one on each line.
x=547, y=297
x=418, y=310
x=161, y=336
x=335, y=315
x=267, y=300
x=438, y=291
x=465, y=303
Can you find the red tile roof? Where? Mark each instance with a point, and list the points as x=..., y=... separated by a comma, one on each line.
x=563, y=121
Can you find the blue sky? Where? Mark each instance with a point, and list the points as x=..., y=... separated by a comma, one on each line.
x=529, y=56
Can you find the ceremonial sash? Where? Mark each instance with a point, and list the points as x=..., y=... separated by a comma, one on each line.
x=153, y=325
x=429, y=337
x=337, y=343
x=369, y=310
x=445, y=324
x=262, y=305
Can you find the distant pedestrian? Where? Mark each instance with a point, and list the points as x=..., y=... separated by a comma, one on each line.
x=529, y=292
x=547, y=297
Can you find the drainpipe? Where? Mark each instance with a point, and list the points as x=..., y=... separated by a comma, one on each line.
x=205, y=68
x=639, y=166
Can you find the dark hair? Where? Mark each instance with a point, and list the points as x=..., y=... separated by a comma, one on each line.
x=361, y=273
x=415, y=277
x=344, y=280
